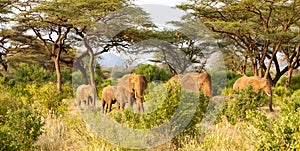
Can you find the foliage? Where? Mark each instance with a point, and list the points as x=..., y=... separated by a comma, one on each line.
x=23, y=108
x=281, y=91
x=164, y=105
x=281, y=133
x=247, y=29
x=31, y=73
x=295, y=82
x=231, y=77
x=235, y=109
x=153, y=72
x=20, y=122
x=20, y=129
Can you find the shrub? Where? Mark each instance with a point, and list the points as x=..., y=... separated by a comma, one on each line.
x=153, y=72
x=22, y=108
x=164, y=103
x=281, y=91
x=20, y=129
x=294, y=85
x=231, y=77
x=235, y=109
x=47, y=98
x=218, y=80
x=31, y=73
x=281, y=133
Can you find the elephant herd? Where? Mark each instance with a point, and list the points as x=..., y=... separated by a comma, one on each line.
x=132, y=87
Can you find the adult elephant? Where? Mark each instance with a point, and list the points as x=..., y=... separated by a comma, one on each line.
x=108, y=97
x=131, y=85
x=175, y=79
x=87, y=94
x=194, y=82
x=257, y=84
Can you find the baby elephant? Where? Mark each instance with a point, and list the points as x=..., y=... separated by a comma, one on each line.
x=108, y=97
x=87, y=94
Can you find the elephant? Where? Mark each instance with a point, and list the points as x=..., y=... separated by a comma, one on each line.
x=257, y=83
x=86, y=93
x=109, y=98
x=175, y=79
x=131, y=85
x=194, y=82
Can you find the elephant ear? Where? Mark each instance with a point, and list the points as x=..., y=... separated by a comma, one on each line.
x=145, y=82
x=131, y=82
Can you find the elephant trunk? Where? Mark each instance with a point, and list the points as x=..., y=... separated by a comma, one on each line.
x=270, y=103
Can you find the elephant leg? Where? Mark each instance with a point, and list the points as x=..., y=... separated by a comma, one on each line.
x=118, y=105
x=89, y=100
x=130, y=103
x=106, y=106
x=122, y=105
x=93, y=103
x=109, y=106
x=140, y=104
x=270, y=104
x=103, y=106
x=140, y=107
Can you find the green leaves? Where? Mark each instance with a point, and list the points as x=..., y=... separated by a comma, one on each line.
x=280, y=133
x=21, y=129
x=236, y=109
x=153, y=72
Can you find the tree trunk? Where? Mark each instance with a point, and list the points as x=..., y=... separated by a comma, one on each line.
x=275, y=50
x=3, y=63
x=78, y=66
x=58, y=73
x=84, y=76
x=91, y=69
x=288, y=78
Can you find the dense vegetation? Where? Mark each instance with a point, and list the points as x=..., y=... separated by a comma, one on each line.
x=37, y=116
x=41, y=66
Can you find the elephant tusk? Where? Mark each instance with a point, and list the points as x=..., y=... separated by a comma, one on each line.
x=134, y=94
x=268, y=94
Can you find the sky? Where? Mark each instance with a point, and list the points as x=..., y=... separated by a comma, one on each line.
x=161, y=12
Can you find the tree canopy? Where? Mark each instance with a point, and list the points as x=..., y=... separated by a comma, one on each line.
x=260, y=31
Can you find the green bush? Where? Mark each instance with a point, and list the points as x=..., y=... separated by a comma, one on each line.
x=20, y=120
x=294, y=85
x=31, y=73
x=235, y=109
x=20, y=129
x=47, y=98
x=281, y=91
x=153, y=72
x=22, y=108
x=231, y=77
x=281, y=133
x=164, y=105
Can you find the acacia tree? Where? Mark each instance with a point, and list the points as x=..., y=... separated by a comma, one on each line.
x=54, y=21
x=260, y=29
x=5, y=34
x=186, y=48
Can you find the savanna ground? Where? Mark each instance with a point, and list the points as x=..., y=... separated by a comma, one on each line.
x=35, y=116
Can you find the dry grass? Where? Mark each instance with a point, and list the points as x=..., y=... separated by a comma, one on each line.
x=70, y=132
x=224, y=136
